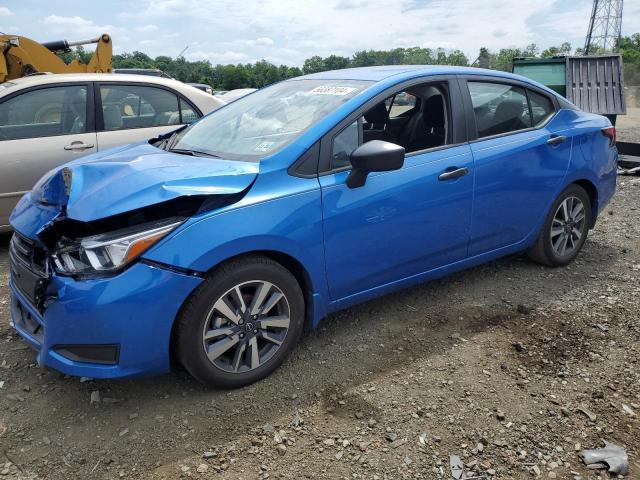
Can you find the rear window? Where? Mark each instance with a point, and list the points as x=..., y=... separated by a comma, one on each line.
x=541, y=108
x=134, y=106
x=499, y=108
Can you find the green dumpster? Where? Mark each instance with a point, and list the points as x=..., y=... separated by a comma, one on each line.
x=547, y=71
x=594, y=83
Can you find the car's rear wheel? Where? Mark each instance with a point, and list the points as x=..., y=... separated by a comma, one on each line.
x=241, y=323
x=565, y=228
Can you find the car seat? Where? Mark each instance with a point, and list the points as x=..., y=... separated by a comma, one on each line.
x=375, y=126
x=112, y=117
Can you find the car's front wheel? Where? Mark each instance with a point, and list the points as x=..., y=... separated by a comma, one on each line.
x=565, y=229
x=241, y=323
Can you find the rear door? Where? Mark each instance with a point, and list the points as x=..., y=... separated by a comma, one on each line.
x=41, y=128
x=521, y=156
x=129, y=113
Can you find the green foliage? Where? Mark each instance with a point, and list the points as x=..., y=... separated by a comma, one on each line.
x=564, y=49
x=261, y=73
x=397, y=56
x=503, y=59
x=630, y=50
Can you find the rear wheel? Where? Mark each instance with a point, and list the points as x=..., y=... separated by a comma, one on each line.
x=565, y=229
x=241, y=323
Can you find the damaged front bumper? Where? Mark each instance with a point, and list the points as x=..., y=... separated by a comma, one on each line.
x=104, y=328
x=81, y=292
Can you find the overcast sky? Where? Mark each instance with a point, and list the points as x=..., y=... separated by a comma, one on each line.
x=289, y=31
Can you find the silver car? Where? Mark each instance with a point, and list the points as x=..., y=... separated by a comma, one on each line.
x=48, y=120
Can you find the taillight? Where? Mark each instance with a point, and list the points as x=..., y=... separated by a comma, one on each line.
x=610, y=132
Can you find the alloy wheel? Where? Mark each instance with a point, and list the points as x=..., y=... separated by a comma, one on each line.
x=246, y=326
x=568, y=227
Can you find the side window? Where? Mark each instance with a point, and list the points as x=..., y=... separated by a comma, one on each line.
x=44, y=113
x=499, y=108
x=400, y=103
x=135, y=106
x=187, y=113
x=541, y=108
x=417, y=121
x=343, y=144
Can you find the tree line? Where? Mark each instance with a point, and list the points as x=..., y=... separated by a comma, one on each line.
x=262, y=73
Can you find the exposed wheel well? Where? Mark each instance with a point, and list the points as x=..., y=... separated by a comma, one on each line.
x=592, y=191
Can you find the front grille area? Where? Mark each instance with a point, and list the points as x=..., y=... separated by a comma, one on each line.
x=25, y=321
x=29, y=269
x=30, y=255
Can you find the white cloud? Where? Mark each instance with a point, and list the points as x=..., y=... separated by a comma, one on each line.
x=77, y=28
x=5, y=12
x=317, y=27
x=262, y=41
x=289, y=31
x=147, y=28
x=215, y=58
x=347, y=4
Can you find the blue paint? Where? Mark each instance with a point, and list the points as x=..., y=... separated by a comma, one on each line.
x=122, y=310
x=401, y=228
x=120, y=180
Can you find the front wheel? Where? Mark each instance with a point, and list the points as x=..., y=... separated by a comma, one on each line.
x=565, y=229
x=241, y=323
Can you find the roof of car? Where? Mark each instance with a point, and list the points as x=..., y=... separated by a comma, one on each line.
x=204, y=101
x=387, y=74
x=45, y=78
x=383, y=72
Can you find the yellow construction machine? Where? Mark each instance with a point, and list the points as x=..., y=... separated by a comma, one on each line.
x=21, y=56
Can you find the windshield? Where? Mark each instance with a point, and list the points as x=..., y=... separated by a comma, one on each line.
x=259, y=124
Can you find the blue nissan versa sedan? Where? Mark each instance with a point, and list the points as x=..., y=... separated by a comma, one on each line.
x=219, y=243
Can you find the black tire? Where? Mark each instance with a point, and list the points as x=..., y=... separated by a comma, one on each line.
x=543, y=251
x=199, y=309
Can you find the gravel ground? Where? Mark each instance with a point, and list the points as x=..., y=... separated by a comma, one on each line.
x=511, y=366
x=627, y=125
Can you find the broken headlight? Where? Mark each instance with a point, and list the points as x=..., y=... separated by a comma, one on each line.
x=110, y=251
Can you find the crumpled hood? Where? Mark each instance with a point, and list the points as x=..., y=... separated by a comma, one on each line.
x=139, y=175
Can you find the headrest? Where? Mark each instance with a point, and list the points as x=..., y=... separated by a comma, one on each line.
x=377, y=114
x=433, y=113
x=509, y=109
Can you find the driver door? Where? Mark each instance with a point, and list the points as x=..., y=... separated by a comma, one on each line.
x=400, y=223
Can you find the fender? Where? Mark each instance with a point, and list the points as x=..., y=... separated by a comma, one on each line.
x=290, y=225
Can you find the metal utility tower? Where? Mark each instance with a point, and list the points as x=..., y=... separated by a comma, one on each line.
x=605, y=27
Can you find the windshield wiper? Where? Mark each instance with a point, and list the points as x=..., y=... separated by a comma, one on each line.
x=193, y=153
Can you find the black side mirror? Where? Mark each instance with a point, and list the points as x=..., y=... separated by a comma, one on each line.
x=374, y=156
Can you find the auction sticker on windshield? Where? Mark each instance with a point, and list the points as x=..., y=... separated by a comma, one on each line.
x=265, y=146
x=331, y=90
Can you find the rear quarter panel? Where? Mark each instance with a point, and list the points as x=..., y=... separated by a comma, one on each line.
x=593, y=159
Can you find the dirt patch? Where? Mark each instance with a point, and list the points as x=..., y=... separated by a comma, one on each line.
x=496, y=364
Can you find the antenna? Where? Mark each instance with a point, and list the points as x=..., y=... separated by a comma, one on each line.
x=605, y=27
x=183, y=50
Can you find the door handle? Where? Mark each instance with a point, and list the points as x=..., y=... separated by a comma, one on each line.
x=451, y=174
x=556, y=140
x=78, y=146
